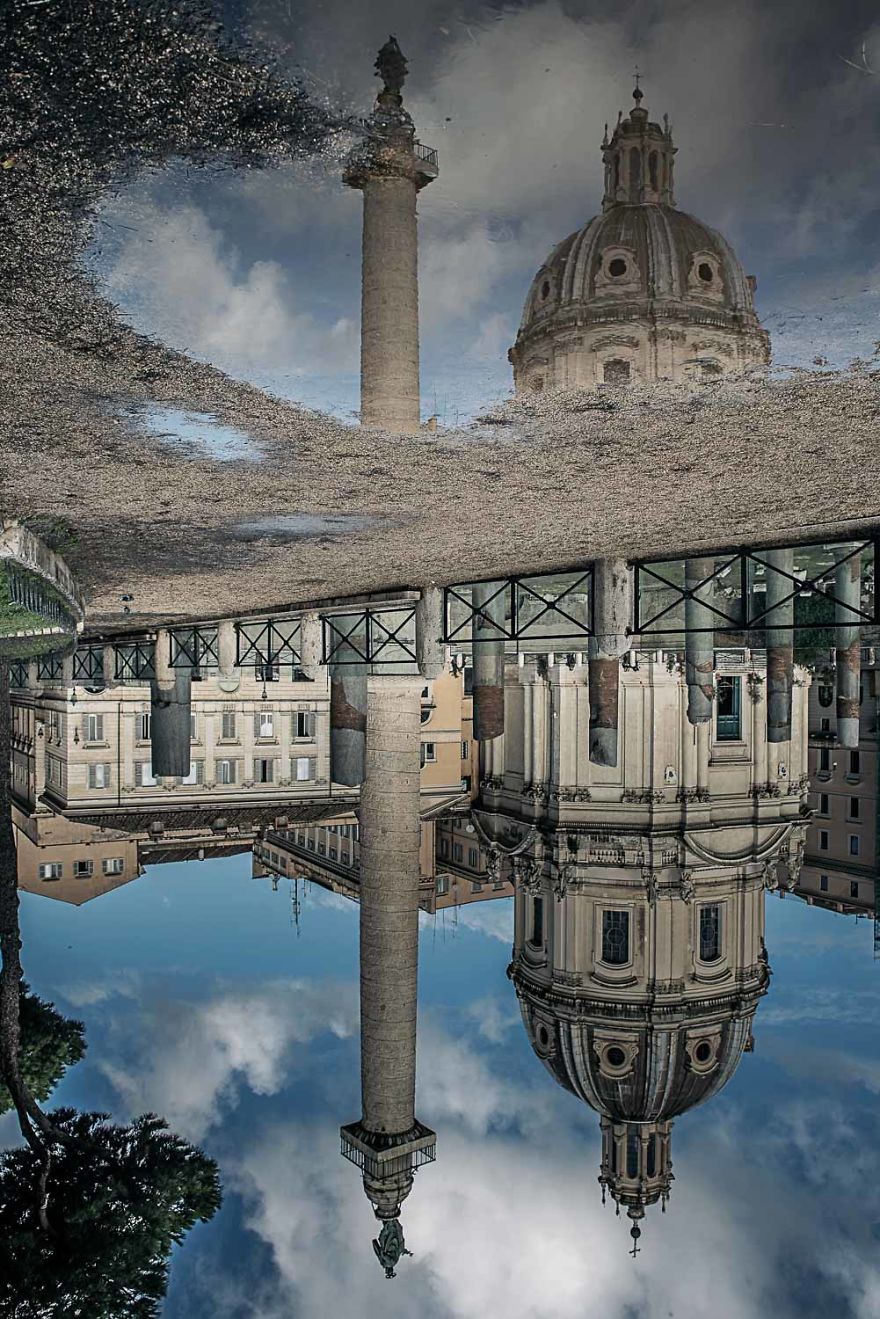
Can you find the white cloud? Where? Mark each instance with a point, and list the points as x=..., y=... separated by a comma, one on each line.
x=178, y=277
x=195, y=1059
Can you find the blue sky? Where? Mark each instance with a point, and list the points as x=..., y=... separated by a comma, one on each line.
x=774, y=110
x=202, y=1002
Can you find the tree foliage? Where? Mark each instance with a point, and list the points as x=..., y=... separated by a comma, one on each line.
x=119, y=1198
x=50, y=1043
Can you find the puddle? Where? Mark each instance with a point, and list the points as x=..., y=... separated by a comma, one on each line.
x=296, y=526
x=199, y=434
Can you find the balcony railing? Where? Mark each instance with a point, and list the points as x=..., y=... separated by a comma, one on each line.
x=427, y=155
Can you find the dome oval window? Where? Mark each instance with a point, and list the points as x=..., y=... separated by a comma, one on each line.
x=703, y=1052
x=545, y=290
x=705, y=272
x=615, y=1057
x=617, y=267
x=543, y=1037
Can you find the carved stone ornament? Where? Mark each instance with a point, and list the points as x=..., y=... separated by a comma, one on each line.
x=693, y=795
x=688, y=888
x=645, y=796
x=526, y=873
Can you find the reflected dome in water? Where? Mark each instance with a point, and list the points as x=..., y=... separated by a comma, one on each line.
x=642, y=291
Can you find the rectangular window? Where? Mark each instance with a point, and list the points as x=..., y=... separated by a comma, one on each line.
x=142, y=727
x=143, y=774
x=444, y=847
x=854, y=762
x=228, y=725
x=469, y=681
x=304, y=724
x=465, y=750
x=823, y=883
x=429, y=753
x=112, y=865
x=305, y=769
x=473, y=858
x=853, y=889
x=442, y=885
x=94, y=728
x=264, y=724
x=823, y=803
x=537, y=936
x=333, y=854
x=853, y=845
x=457, y=852
x=854, y=805
x=196, y=773
x=823, y=840
x=615, y=938
x=225, y=771
x=824, y=760
x=728, y=722
x=264, y=771
x=192, y=728
x=51, y=870
x=710, y=933
x=826, y=726
x=99, y=776
x=83, y=869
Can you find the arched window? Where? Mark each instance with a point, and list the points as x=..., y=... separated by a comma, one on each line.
x=652, y=1156
x=710, y=933
x=652, y=170
x=615, y=938
x=616, y=371
x=616, y=170
x=632, y=1155
x=826, y=695
x=635, y=171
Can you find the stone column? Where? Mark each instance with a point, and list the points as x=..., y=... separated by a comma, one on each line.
x=311, y=645
x=388, y=1137
x=430, y=651
x=348, y=709
x=389, y=173
x=488, y=659
x=780, y=644
x=170, y=711
x=847, y=592
x=612, y=610
x=226, y=647
x=699, y=645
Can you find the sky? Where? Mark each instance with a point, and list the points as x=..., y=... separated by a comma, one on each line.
x=774, y=110
x=204, y=1002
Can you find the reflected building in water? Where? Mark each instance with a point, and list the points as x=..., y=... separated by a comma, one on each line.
x=639, y=956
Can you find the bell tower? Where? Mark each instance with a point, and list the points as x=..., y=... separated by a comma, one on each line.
x=638, y=159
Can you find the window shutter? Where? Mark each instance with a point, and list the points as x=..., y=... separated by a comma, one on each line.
x=232, y=770
x=138, y=773
x=310, y=724
x=84, y=728
x=256, y=725
x=199, y=766
x=99, y=728
x=313, y=767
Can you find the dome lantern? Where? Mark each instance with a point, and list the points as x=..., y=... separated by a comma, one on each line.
x=638, y=160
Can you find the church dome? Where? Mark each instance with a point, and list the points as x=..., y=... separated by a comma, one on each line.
x=643, y=290
x=635, y=1070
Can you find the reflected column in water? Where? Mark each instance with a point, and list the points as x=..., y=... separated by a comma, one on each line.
x=780, y=644
x=170, y=712
x=847, y=592
x=389, y=1143
x=612, y=610
x=699, y=641
x=488, y=601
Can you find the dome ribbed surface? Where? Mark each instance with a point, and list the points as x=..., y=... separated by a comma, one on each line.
x=664, y=242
